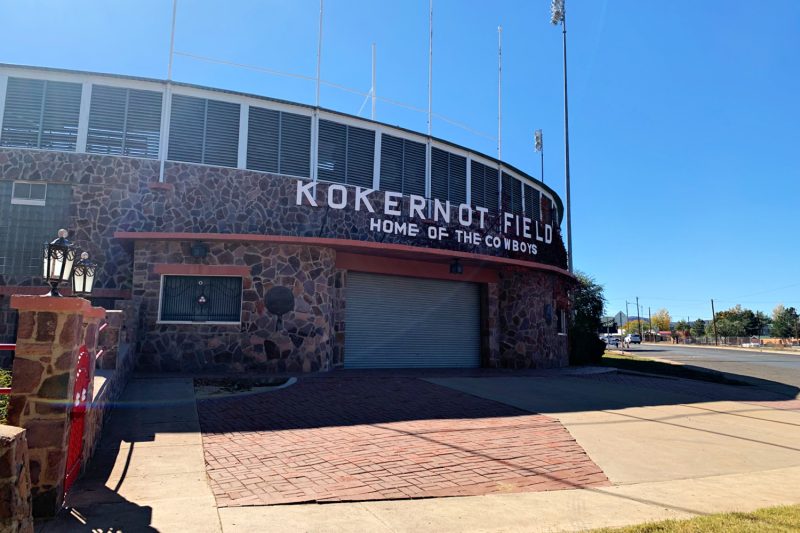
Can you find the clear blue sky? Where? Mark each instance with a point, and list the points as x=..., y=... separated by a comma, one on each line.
x=684, y=114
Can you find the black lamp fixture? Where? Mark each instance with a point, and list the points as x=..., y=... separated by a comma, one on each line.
x=58, y=261
x=456, y=267
x=83, y=276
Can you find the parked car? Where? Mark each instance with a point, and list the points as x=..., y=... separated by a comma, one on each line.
x=610, y=340
x=633, y=338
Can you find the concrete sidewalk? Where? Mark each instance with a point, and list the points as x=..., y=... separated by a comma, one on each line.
x=566, y=510
x=148, y=473
x=672, y=449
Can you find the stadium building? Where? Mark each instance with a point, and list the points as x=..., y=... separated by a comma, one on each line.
x=253, y=234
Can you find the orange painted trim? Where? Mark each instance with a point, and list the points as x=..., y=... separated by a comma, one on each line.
x=348, y=245
x=416, y=269
x=10, y=290
x=182, y=269
x=162, y=186
x=50, y=303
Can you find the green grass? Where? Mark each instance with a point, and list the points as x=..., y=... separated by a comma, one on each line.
x=649, y=366
x=5, y=381
x=773, y=519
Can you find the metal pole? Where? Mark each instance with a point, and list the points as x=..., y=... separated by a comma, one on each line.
x=430, y=68
x=172, y=39
x=319, y=51
x=167, y=95
x=373, y=82
x=627, y=316
x=650, y=319
x=714, y=318
x=566, y=149
x=639, y=317
x=499, y=92
x=541, y=157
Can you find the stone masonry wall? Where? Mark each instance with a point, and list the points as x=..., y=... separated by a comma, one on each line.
x=302, y=344
x=528, y=326
x=123, y=194
x=15, y=482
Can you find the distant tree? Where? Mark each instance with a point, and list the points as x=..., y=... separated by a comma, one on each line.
x=587, y=306
x=661, y=320
x=784, y=322
x=734, y=322
x=760, y=321
x=698, y=328
x=682, y=327
x=633, y=326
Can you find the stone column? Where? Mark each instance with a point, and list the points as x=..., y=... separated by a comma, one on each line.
x=109, y=339
x=15, y=481
x=49, y=336
x=92, y=319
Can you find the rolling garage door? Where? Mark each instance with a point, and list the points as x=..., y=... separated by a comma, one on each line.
x=400, y=322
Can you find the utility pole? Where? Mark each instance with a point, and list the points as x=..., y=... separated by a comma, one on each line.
x=627, y=316
x=714, y=318
x=650, y=319
x=639, y=317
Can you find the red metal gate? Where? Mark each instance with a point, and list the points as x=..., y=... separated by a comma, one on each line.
x=77, y=418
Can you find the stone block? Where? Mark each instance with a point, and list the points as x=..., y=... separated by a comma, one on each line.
x=27, y=375
x=46, y=324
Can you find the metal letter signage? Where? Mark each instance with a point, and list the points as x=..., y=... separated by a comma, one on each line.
x=513, y=232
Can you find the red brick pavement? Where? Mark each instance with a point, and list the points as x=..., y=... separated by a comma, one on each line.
x=373, y=438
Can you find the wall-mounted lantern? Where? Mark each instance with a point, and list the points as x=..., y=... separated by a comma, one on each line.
x=456, y=267
x=83, y=276
x=58, y=260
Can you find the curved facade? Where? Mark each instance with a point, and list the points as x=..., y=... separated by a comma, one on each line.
x=256, y=234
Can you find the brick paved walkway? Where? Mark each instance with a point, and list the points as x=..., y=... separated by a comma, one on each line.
x=349, y=439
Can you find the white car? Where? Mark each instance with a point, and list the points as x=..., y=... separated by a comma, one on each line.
x=610, y=340
x=633, y=338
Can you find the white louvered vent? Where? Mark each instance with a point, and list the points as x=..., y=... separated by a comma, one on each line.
x=485, y=186
x=532, y=200
x=346, y=153
x=41, y=114
x=124, y=122
x=448, y=176
x=204, y=131
x=278, y=142
x=402, y=165
x=512, y=194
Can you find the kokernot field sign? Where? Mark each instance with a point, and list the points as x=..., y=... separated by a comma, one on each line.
x=515, y=233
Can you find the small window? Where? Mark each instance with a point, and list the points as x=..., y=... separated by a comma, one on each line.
x=561, y=316
x=201, y=299
x=25, y=193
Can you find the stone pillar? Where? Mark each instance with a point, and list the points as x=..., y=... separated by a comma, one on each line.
x=109, y=339
x=49, y=336
x=15, y=481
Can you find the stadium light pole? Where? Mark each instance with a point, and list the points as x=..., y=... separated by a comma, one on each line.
x=558, y=15
x=538, y=145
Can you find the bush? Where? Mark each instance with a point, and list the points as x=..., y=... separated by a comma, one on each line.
x=5, y=381
x=587, y=306
x=585, y=347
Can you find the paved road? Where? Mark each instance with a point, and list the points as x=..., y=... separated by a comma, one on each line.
x=776, y=372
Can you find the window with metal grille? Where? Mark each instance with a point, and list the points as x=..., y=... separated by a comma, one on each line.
x=484, y=186
x=41, y=114
x=402, y=165
x=201, y=299
x=204, y=131
x=124, y=122
x=512, y=194
x=448, y=176
x=279, y=142
x=532, y=200
x=25, y=226
x=346, y=154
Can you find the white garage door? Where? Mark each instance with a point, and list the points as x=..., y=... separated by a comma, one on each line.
x=400, y=322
